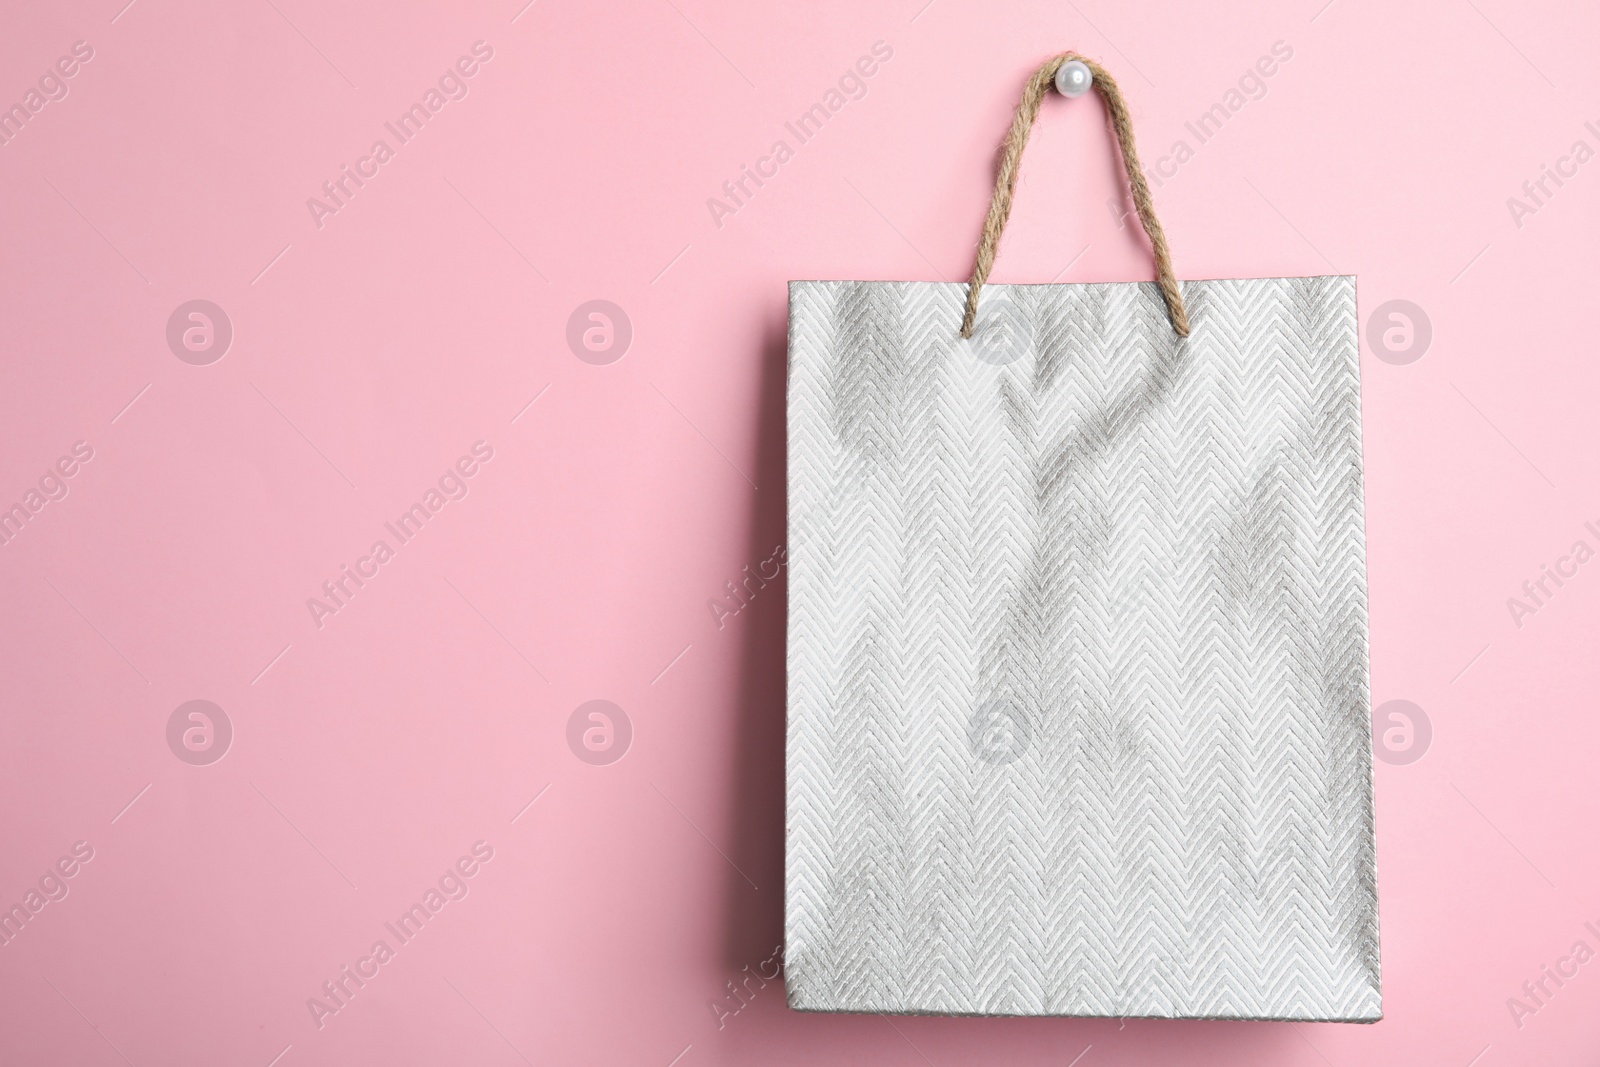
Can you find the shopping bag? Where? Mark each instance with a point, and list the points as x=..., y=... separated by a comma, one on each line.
x=1078, y=715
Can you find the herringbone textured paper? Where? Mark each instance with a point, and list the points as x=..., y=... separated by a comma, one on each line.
x=1078, y=718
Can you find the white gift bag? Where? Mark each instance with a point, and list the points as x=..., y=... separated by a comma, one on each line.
x=1077, y=665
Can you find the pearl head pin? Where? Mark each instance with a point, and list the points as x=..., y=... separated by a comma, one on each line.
x=1074, y=78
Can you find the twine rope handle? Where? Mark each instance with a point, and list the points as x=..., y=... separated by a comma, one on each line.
x=1005, y=185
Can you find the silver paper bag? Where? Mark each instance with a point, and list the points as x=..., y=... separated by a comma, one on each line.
x=1077, y=667
x=1078, y=716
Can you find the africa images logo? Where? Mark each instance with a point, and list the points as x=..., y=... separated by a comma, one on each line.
x=451, y=886
x=199, y=332
x=599, y=732
x=452, y=485
x=452, y=85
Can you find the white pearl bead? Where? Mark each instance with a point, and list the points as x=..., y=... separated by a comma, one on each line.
x=1074, y=78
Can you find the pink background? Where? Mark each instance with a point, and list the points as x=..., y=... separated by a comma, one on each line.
x=370, y=353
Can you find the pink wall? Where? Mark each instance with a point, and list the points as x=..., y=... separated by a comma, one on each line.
x=374, y=347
